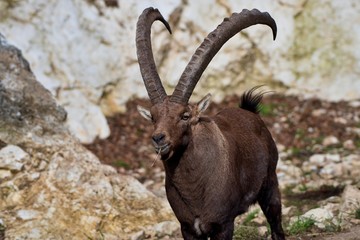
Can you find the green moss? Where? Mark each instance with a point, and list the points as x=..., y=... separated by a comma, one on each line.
x=246, y=232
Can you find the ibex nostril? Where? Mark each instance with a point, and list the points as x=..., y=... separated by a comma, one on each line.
x=158, y=137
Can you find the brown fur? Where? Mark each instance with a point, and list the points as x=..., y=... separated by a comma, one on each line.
x=216, y=168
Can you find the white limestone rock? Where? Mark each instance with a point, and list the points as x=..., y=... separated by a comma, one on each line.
x=320, y=160
x=350, y=200
x=55, y=182
x=5, y=174
x=85, y=119
x=25, y=214
x=166, y=228
x=13, y=158
x=320, y=215
x=330, y=140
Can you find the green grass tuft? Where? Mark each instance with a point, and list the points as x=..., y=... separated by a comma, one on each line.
x=121, y=163
x=333, y=226
x=301, y=225
x=250, y=216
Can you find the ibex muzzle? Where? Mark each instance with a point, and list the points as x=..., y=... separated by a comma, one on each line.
x=216, y=167
x=172, y=124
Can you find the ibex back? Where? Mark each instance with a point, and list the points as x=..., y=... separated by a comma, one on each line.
x=216, y=167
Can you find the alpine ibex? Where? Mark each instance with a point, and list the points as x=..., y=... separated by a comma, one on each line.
x=216, y=167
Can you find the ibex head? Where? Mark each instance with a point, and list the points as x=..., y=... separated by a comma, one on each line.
x=172, y=116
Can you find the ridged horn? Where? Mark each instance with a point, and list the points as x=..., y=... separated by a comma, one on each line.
x=145, y=56
x=212, y=44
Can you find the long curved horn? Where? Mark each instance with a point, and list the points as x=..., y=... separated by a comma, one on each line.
x=145, y=56
x=212, y=44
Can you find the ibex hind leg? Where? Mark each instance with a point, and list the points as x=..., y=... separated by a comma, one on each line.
x=270, y=203
x=189, y=234
x=224, y=232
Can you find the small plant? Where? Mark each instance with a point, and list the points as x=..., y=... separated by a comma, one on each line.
x=250, y=216
x=301, y=225
x=333, y=225
x=303, y=188
x=295, y=151
x=121, y=163
x=357, y=213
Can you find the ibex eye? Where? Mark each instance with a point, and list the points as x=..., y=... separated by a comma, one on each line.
x=185, y=116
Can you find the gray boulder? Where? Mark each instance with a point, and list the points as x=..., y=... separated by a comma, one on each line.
x=51, y=187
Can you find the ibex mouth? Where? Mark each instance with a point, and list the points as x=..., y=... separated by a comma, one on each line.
x=164, y=149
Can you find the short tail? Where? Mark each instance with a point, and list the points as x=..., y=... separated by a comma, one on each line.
x=251, y=101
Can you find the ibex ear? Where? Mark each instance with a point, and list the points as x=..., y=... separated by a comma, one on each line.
x=144, y=112
x=203, y=104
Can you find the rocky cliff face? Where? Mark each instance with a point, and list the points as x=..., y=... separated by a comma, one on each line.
x=51, y=187
x=84, y=51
